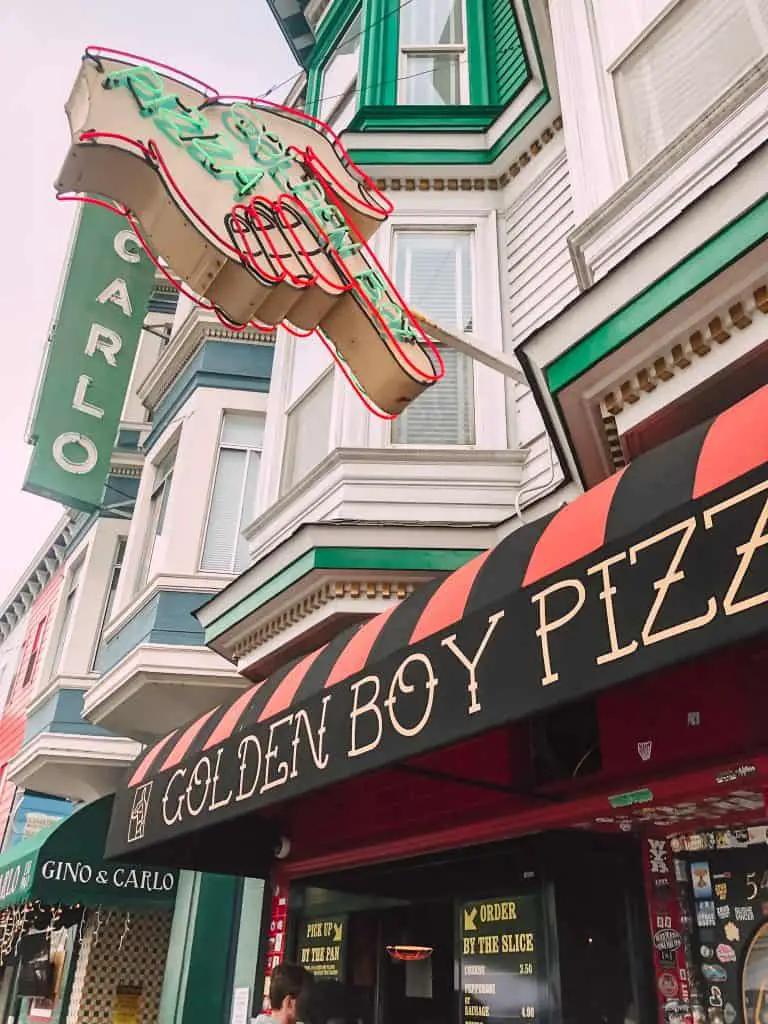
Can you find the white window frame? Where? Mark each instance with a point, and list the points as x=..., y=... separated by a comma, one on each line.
x=406, y=50
x=117, y=568
x=469, y=230
x=350, y=90
x=71, y=589
x=479, y=217
x=229, y=447
x=162, y=479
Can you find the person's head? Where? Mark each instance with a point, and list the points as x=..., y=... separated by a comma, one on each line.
x=286, y=984
x=330, y=1002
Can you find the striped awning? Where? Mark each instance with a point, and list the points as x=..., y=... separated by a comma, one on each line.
x=662, y=562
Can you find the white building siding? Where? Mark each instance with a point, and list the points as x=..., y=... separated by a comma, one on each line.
x=538, y=281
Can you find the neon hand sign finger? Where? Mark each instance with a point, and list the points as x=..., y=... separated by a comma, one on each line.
x=256, y=208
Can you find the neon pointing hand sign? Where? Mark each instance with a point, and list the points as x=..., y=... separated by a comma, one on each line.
x=257, y=208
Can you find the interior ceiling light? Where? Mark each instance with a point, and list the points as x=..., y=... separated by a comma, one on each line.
x=410, y=953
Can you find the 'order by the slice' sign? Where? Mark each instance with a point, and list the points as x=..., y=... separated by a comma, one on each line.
x=257, y=208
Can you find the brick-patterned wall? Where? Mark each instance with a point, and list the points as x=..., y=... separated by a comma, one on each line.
x=14, y=717
x=104, y=964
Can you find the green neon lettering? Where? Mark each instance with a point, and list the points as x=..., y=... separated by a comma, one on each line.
x=179, y=126
x=211, y=153
x=145, y=84
x=372, y=285
x=247, y=181
x=237, y=122
x=390, y=311
x=343, y=242
x=330, y=217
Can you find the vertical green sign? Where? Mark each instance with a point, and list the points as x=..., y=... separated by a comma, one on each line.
x=88, y=361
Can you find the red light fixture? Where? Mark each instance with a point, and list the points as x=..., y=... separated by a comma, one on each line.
x=410, y=954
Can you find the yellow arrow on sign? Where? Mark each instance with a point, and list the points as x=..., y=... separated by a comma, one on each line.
x=469, y=920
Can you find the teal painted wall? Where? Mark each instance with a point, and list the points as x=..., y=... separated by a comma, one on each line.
x=167, y=618
x=177, y=961
x=219, y=364
x=249, y=935
x=62, y=712
x=200, y=968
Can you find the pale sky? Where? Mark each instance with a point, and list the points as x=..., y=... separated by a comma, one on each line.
x=234, y=45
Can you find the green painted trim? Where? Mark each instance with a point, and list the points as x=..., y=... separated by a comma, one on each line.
x=379, y=53
x=442, y=157
x=177, y=960
x=479, y=68
x=705, y=263
x=424, y=119
x=380, y=112
x=207, y=992
x=402, y=559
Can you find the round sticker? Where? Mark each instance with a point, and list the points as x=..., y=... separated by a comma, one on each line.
x=706, y=952
x=729, y=1012
x=668, y=986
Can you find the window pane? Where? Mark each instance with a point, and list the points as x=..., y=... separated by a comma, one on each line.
x=307, y=433
x=242, y=430
x=665, y=85
x=66, y=621
x=434, y=273
x=341, y=70
x=431, y=23
x=109, y=605
x=226, y=511
x=431, y=79
x=246, y=515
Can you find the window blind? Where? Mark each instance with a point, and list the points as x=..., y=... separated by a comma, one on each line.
x=234, y=493
x=434, y=273
x=683, y=67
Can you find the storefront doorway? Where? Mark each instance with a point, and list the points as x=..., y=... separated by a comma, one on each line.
x=550, y=928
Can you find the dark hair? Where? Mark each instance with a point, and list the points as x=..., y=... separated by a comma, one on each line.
x=287, y=980
x=330, y=1001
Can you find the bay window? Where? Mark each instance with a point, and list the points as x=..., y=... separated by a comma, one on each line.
x=433, y=272
x=682, y=67
x=234, y=493
x=433, y=53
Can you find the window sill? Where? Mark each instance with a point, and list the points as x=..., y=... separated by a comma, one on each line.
x=416, y=118
x=406, y=485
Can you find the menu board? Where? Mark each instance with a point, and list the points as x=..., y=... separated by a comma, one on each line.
x=321, y=946
x=502, y=960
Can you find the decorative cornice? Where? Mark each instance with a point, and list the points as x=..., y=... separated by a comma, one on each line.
x=42, y=568
x=197, y=328
x=325, y=593
x=675, y=359
x=486, y=184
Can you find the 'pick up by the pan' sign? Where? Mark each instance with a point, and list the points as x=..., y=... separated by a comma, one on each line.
x=257, y=208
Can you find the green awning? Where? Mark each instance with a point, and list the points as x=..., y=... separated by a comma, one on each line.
x=64, y=865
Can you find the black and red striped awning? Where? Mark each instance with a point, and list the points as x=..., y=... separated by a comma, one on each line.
x=660, y=563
